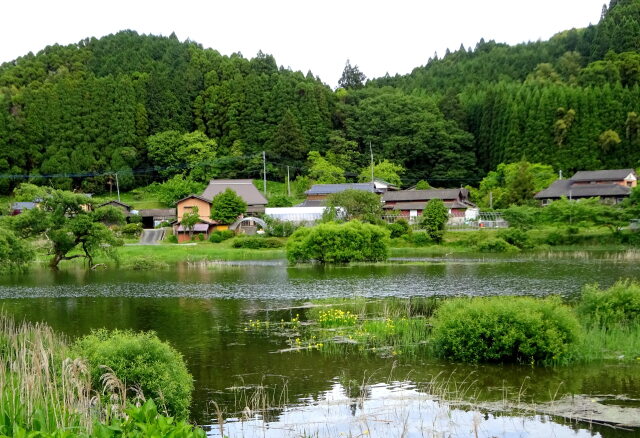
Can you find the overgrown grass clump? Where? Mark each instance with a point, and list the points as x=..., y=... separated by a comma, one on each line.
x=140, y=360
x=505, y=329
x=339, y=243
x=620, y=304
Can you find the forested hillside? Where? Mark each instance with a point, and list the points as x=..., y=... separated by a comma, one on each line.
x=150, y=107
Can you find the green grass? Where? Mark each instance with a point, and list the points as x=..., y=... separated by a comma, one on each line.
x=616, y=342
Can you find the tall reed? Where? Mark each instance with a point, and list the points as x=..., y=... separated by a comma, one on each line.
x=40, y=389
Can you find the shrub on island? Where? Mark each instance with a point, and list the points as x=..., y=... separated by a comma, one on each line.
x=505, y=329
x=339, y=243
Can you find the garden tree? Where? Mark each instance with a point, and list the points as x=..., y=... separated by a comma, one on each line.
x=384, y=170
x=434, y=219
x=189, y=220
x=585, y=212
x=357, y=204
x=323, y=172
x=227, y=206
x=280, y=201
x=64, y=220
x=174, y=189
x=352, y=78
x=27, y=192
x=423, y=185
x=15, y=252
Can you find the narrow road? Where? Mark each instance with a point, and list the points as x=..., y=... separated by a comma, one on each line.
x=151, y=237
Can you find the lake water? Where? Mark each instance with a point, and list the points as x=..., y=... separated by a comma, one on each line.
x=202, y=310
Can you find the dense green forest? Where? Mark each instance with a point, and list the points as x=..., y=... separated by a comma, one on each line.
x=150, y=107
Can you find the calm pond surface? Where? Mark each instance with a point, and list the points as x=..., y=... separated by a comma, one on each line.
x=203, y=310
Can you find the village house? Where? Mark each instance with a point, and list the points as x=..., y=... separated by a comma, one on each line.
x=411, y=203
x=256, y=204
x=611, y=186
x=318, y=193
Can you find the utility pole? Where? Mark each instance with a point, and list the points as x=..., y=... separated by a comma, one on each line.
x=288, y=183
x=264, y=172
x=491, y=200
x=117, y=187
x=560, y=174
x=371, y=152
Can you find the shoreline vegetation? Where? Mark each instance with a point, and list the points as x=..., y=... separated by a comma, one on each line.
x=164, y=255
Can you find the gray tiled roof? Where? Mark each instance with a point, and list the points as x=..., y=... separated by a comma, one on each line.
x=23, y=205
x=567, y=188
x=425, y=195
x=313, y=203
x=243, y=187
x=158, y=212
x=602, y=175
x=327, y=189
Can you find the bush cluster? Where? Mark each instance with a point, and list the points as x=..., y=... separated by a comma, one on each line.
x=221, y=236
x=399, y=228
x=338, y=243
x=505, y=329
x=278, y=228
x=140, y=360
x=421, y=238
x=131, y=230
x=620, y=304
x=517, y=238
x=257, y=242
x=496, y=244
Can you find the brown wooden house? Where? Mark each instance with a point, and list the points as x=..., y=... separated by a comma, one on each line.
x=411, y=203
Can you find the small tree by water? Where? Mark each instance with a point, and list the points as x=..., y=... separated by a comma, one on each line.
x=434, y=219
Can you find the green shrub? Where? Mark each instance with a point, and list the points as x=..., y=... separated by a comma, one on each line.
x=145, y=421
x=496, y=244
x=172, y=238
x=199, y=237
x=516, y=237
x=522, y=216
x=257, y=242
x=620, y=304
x=338, y=243
x=142, y=360
x=399, y=228
x=421, y=238
x=278, y=228
x=135, y=219
x=221, y=236
x=505, y=329
x=133, y=229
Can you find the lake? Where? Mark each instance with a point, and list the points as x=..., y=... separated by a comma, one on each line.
x=203, y=310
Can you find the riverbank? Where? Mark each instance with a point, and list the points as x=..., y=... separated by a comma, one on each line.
x=164, y=255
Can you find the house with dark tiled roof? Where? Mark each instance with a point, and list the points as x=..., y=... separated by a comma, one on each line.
x=124, y=208
x=20, y=207
x=611, y=186
x=410, y=203
x=318, y=193
x=244, y=188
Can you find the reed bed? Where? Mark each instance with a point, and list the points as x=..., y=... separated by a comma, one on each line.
x=41, y=389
